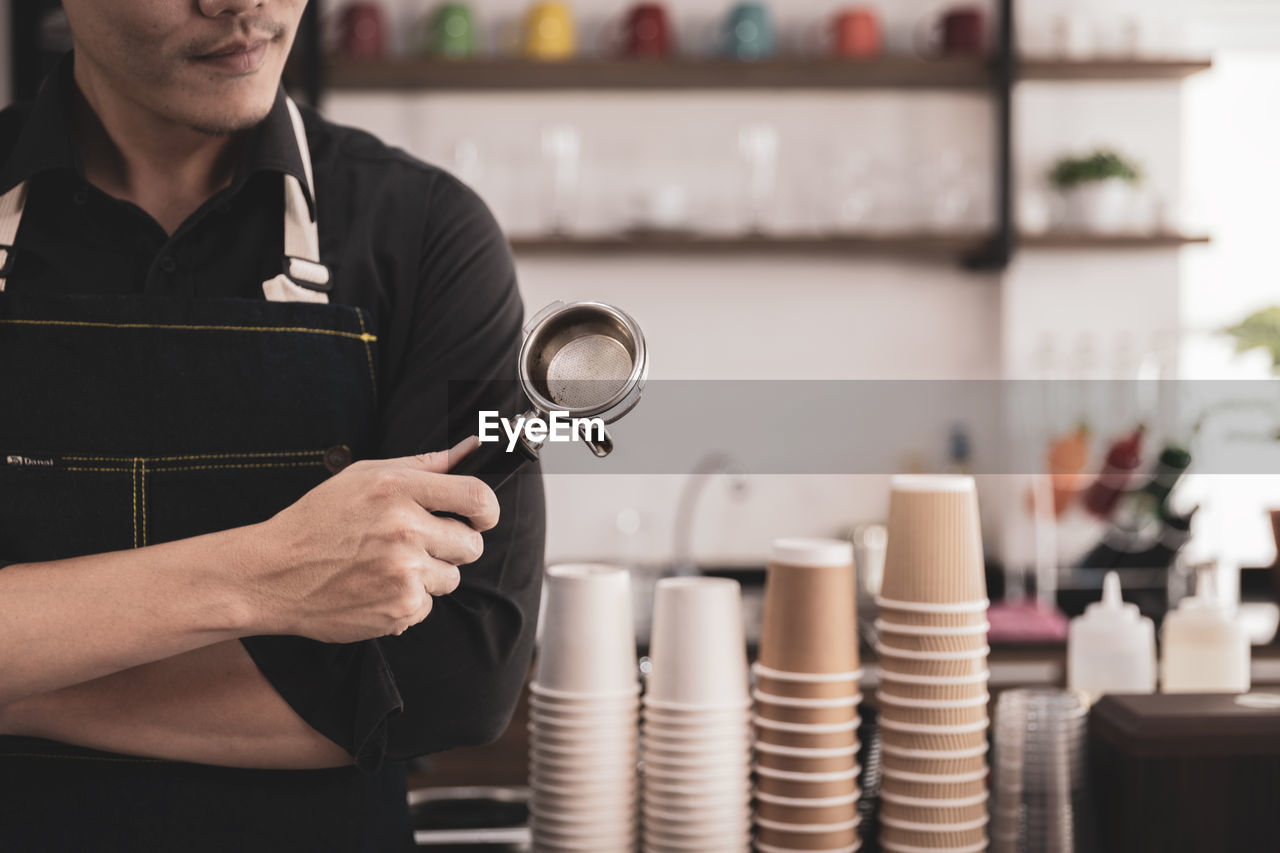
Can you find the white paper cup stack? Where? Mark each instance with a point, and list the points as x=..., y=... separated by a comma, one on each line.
x=583, y=704
x=933, y=670
x=697, y=721
x=806, y=700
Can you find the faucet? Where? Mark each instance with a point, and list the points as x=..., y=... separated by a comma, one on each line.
x=711, y=464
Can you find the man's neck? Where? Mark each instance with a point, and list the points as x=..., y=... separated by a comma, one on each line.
x=133, y=153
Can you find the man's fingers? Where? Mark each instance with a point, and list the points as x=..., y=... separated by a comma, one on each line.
x=440, y=578
x=454, y=542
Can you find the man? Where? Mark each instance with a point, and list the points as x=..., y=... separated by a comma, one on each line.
x=230, y=332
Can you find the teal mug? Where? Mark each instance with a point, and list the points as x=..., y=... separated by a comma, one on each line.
x=749, y=32
x=452, y=31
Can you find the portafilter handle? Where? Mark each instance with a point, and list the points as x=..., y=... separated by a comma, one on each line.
x=494, y=464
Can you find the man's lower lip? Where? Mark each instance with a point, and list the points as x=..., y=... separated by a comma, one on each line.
x=241, y=62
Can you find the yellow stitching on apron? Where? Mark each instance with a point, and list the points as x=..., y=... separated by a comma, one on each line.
x=362, y=336
x=200, y=467
x=319, y=453
x=4, y=755
x=143, y=478
x=368, y=355
x=134, y=482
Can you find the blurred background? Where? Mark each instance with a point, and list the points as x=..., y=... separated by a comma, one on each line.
x=917, y=189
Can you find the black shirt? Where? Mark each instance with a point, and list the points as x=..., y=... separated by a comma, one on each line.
x=422, y=254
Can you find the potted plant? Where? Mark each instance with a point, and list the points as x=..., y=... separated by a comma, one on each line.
x=1097, y=189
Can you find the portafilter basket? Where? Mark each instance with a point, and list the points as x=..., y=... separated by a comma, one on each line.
x=586, y=360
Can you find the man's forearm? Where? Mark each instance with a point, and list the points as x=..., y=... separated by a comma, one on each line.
x=210, y=706
x=64, y=622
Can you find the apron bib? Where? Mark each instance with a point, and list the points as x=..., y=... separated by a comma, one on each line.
x=128, y=421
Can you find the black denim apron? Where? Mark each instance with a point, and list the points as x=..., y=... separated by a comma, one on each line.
x=128, y=421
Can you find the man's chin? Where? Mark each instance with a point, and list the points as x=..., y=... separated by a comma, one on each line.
x=224, y=119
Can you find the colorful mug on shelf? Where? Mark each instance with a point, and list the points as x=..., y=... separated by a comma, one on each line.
x=855, y=33
x=451, y=31
x=960, y=31
x=362, y=31
x=748, y=32
x=549, y=32
x=645, y=31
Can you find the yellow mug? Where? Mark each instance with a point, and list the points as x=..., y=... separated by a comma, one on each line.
x=549, y=31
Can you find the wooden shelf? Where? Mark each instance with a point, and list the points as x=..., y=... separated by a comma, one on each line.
x=1079, y=240
x=519, y=74
x=1114, y=70
x=675, y=74
x=921, y=244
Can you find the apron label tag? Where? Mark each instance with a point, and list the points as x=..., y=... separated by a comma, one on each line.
x=30, y=461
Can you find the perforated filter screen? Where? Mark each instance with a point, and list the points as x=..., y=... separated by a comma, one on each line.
x=588, y=371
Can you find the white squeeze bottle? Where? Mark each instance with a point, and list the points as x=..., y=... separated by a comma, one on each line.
x=1111, y=648
x=1205, y=650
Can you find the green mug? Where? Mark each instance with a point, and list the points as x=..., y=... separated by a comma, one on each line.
x=452, y=32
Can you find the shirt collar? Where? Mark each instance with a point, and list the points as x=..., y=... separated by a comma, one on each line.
x=46, y=143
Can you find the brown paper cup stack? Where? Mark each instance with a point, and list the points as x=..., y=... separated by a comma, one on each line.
x=806, y=699
x=933, y=653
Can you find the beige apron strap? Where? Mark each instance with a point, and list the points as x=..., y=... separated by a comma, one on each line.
x=301, y=235
x=11, y=206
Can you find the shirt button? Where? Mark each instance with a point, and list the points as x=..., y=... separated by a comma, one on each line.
x=168, y=264
x=80, y=196
x=336, y=458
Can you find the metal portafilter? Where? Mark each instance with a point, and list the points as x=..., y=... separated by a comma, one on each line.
x=581, y=360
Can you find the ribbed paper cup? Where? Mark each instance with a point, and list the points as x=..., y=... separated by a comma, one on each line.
x=935, y=541
x=807, y=737
x=963, y=615
x=933, y=812
x=970, y=687
x=953, y=787
x=827, y=760
x=934, y=762
x=660, y=840
x=791, y=810
x=933, y=739
x=809, y=623
x=969, y=663
x=661, y=796
x=933, y=712
x=825, y=836
x=930, y=642
x=807, y=786
x=602, y=840
x=769, y=848
x=932, y=836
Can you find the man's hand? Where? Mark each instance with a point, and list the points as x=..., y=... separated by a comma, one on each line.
x=361, y=555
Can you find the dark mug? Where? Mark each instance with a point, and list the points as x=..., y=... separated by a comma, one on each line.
x=646, y=31
x=961, y=31
x=964, y=30
x=362, y=31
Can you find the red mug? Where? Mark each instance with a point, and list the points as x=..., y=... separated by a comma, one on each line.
x=646, y=31
x=362, y=31
x=964, y=31
x=855, y=33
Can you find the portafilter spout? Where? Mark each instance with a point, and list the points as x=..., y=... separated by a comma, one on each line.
x=582, y=361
